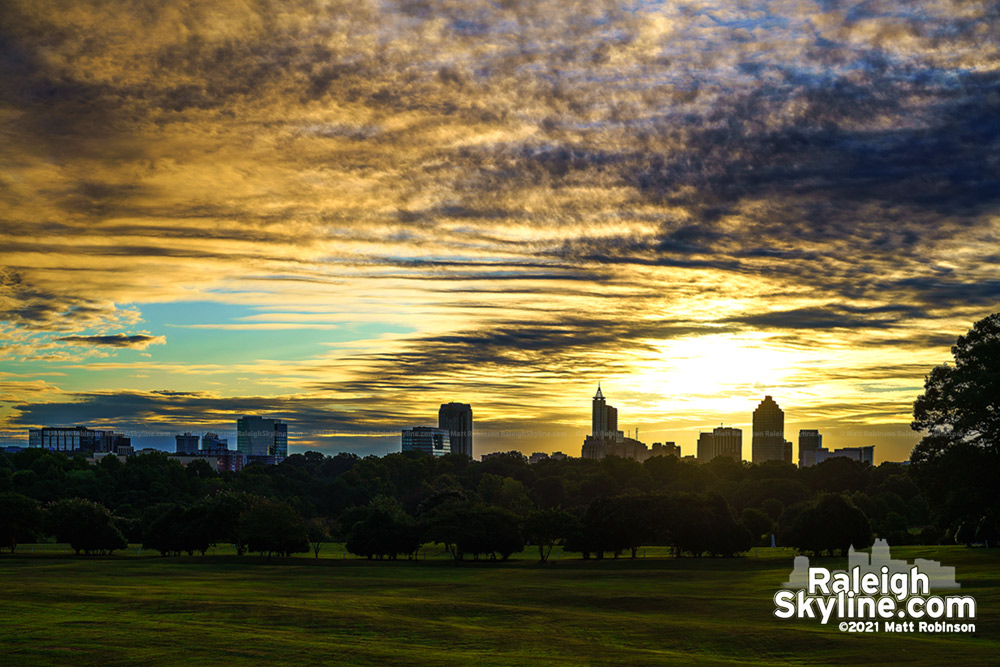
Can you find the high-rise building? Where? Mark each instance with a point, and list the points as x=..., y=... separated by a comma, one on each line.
x=603, y=418
x=280, y=440
x=727, y=442
x=456, y=418
x=769, y=442
x=427, y=439
x=262, y=438
x=605, y=439
x=810, y=444
x=186, y=443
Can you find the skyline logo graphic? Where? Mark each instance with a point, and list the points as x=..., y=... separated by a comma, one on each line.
x=877, y=593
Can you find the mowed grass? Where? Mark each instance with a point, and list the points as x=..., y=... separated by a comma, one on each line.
x=220, y=610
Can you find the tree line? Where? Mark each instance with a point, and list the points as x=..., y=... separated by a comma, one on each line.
x=386, y=507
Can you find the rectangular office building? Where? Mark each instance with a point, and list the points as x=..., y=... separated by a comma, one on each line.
x=427, y=439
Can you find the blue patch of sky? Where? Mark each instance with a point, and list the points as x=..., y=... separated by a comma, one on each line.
x=214, y=346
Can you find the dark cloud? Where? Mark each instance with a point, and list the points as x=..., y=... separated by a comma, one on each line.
x=134, y=341
x=829, y=317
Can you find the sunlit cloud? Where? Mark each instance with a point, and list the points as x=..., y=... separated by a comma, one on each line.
x=407, y=202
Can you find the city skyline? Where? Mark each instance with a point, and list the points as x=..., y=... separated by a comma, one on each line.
x=455, y=432
x=353, y=214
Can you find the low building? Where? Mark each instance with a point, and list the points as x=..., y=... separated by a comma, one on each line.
x=211, y=442
x=76, y=439
x=222, y=461
x=725, y=442
x=860, y=454
x=511, y=454
x=187, y=443
x=596, y=447
x=665, y=449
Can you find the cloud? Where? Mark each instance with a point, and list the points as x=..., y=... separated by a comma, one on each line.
x=135, y=341
x=537, y=192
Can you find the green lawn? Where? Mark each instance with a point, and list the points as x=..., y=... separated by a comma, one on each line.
x=57, y=609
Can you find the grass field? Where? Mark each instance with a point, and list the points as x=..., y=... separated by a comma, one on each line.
x=56, y=609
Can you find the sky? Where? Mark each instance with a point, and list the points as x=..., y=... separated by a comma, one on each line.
x=344, y=214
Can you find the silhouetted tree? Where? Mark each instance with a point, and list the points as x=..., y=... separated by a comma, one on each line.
x=382, y=529
x=20, y=520
x=544, y=528
x=465, y=528
x=87, y=526
x=957, y=462
x=758, y=523
x=273, y=528
x=830, y=524
x=222, y=513
x=173, y=529
x=497, y=533
x=319, y=530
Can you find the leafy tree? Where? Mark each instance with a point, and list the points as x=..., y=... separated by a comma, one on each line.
x=20, y=520
x=222, y=513
x=504, y=492
x=616, y=524
x=319, y=530
x=87, y=526
x=837, y=475
x=464, y=528
x=957, y=462
x=544, y=528
x=382, y=529
x=447, y=522
x=758, y=523
x=200, y=469
x=830, y=524
x=172, y=529
x=274, y=528
x=500, y=533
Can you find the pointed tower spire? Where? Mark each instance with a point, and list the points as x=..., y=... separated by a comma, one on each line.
x=598, y=394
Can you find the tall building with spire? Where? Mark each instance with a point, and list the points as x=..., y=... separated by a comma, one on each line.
x=605, y=439
x=604, y=418
x=769, y=442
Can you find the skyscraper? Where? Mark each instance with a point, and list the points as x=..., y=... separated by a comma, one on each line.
x=769, y=433
x=456, y=418
x=603, y=418
x=605, y=439
x=810, y=444
x=260, y=437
